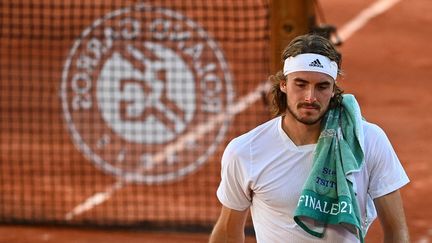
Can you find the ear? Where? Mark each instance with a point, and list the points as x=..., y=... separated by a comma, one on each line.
x=282, y=86
x=334, y=90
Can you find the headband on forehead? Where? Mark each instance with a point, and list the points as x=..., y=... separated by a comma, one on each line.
x=310, y=62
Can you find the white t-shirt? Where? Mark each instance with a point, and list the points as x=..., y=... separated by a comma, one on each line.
x=264, y=170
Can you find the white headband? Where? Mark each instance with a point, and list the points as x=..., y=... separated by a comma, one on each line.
x=310, y=62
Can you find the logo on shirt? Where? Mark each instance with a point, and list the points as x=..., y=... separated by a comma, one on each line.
x=136, y=84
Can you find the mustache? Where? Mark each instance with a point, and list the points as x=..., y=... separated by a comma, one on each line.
x=306, y=104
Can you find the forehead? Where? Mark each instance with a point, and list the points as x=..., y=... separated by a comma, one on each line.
x=310, y=77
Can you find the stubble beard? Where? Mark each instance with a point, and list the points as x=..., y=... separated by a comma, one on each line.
x=305, y=121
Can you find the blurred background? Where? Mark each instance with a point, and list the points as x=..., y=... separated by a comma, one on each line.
x=114, y=114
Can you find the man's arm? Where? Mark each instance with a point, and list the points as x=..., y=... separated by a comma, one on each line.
x=230, y=226
x=392, y=217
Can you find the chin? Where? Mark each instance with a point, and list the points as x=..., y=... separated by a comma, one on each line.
x=309, y=121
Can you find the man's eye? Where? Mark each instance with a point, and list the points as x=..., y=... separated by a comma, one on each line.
x=323, y=87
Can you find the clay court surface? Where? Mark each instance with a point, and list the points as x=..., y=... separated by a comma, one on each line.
x=388, y=67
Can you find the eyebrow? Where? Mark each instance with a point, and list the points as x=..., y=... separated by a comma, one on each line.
x=297, y=79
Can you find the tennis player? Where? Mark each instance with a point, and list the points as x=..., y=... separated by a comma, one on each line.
x=317, y=172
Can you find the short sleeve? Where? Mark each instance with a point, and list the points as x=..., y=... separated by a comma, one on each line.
x=385, y=170
x=233, y=191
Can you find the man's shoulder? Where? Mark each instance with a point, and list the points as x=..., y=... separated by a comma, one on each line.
x=376, y=140
x=372, y=131
x=259, y=130
x=257, y=134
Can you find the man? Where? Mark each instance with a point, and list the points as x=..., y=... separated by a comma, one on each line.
x=271, y=168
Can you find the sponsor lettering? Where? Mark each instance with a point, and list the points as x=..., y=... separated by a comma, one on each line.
x=324, y=206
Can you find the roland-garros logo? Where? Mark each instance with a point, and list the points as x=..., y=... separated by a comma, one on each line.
x=135, y=86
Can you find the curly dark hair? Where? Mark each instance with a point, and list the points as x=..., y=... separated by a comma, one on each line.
x=309, y=43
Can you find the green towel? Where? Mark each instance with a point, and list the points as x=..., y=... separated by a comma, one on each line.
x=328, y=196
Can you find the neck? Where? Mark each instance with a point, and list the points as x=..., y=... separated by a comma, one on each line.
x=300, y=133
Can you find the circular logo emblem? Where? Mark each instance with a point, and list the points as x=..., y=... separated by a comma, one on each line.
x=140, y=91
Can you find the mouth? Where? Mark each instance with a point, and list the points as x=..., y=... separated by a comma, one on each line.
x=308, y=107
x=312, y=106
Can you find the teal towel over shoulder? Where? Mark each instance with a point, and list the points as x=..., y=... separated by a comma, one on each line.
x=328, y=196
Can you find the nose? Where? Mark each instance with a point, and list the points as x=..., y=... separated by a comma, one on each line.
x=310, y=96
